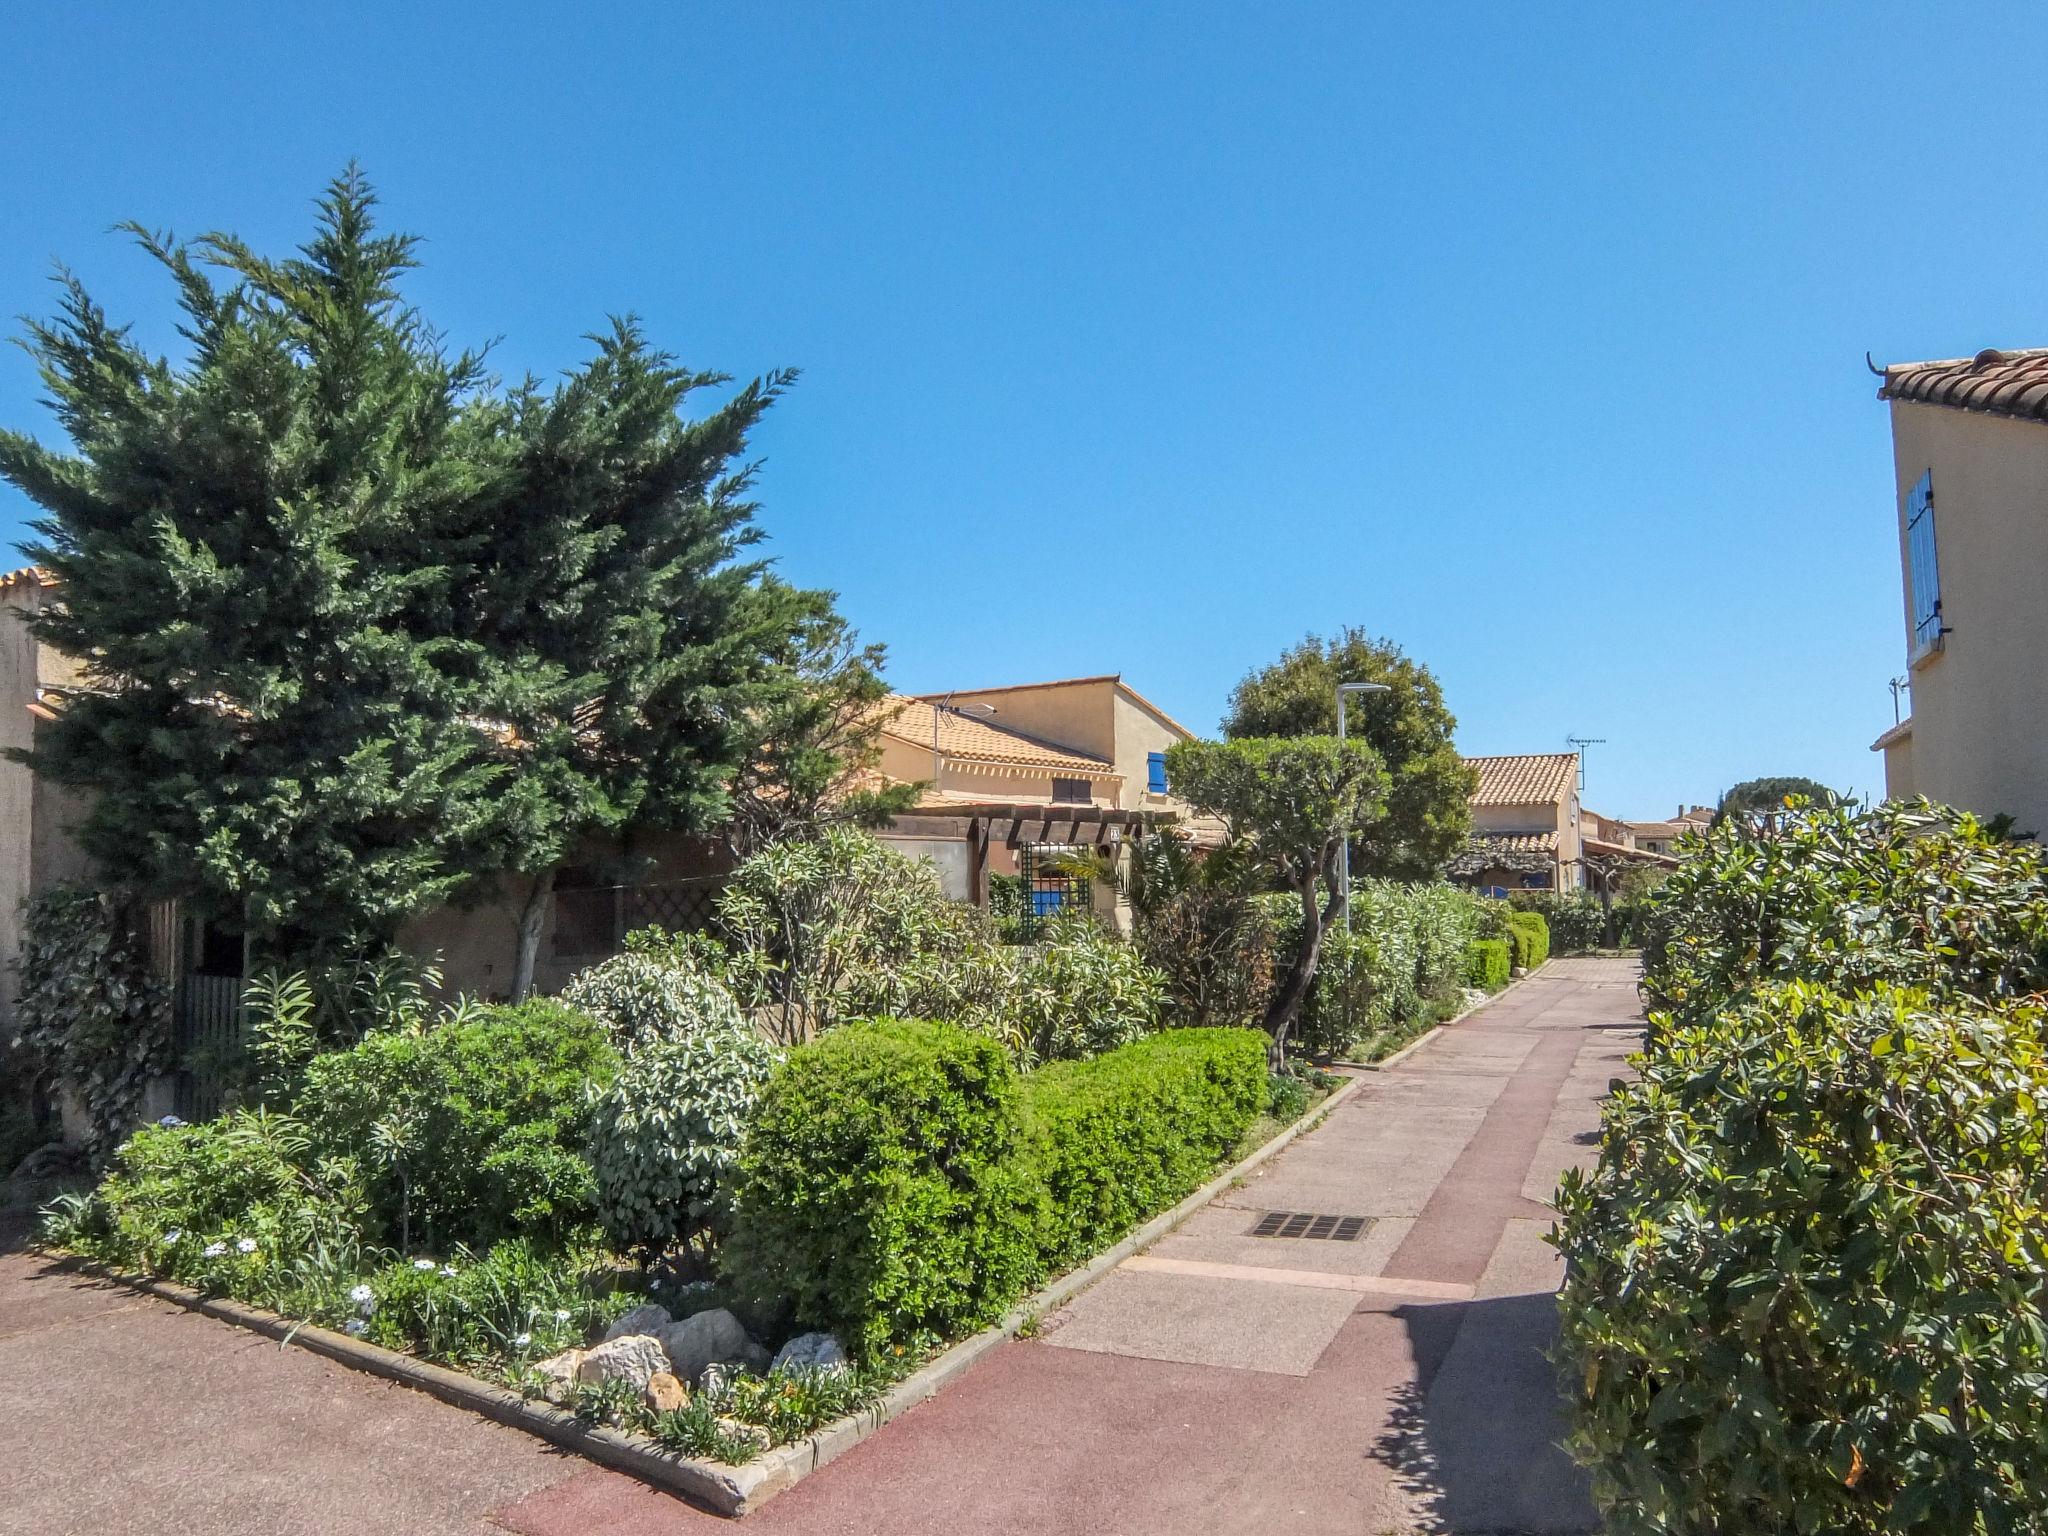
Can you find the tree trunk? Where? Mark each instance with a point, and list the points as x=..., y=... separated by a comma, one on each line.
x=530, y=918
x=1301, y=975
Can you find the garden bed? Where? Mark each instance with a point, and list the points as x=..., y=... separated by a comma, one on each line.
x=724, y=1489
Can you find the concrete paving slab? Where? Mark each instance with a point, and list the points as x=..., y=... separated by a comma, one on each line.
x=1201, y=1321
x=1220, y=1235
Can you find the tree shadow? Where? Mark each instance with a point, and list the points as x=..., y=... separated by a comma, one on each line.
x=1474, y=1441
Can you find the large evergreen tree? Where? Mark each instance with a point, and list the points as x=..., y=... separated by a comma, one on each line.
x=1428, y=813
x=362, y=627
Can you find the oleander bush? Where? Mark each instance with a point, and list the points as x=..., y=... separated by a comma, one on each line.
x=1807, y=1282
x=1488, y=964
x=665, y=1136
x=656, y=990
x=1394, y=971
x=1576, y=921
x=1912, y=894
x=1119, y=1138
x=469, y=1130
x=1528, y=939
x=882, y=1186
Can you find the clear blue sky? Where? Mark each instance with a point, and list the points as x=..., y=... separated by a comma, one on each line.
x=1146, y=339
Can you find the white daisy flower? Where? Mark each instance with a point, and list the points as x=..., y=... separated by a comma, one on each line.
x=448, y=1271
x=247, y=1245
x=423, y=1264
x=561, y=1314
x=522, y=1340
x=173, y=1235
x=214, y=1250
x=354, y=1327
x=360, y=1294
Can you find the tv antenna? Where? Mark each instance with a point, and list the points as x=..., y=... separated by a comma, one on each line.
x=1579, y=744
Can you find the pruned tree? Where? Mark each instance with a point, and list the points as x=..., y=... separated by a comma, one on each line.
x=1289, y=803
x=1428, y=814
x=1761, y=802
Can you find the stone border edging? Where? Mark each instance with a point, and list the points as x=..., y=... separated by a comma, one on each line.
x=725, y=1490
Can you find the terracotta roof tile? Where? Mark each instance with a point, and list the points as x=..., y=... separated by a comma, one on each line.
x=2000, y=383
x=971, y=738
x=28, y=575
x=1533, y=779
x=1515, y=842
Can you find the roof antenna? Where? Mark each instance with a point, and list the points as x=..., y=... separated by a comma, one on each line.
x=1880, y=372
x=1580, y=743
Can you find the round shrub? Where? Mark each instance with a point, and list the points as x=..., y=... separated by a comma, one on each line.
x=666, y=1134
x=642, y=996
x=470, y=1130
x=881, y=1190
x=1806, y=1282
x=1528, y=939
x=1487, y=964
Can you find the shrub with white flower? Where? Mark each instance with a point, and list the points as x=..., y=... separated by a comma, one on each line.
x=363, y=1297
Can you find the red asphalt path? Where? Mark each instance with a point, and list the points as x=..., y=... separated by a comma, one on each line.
x=1227, y=1384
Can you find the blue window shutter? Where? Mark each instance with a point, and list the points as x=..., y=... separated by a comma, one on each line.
x=1923, y=569
x=1155, y=767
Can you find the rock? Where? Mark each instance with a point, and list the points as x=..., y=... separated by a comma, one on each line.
x=559, y=1372
x=818, y=1350
x=699, y=1340
x=635, y=1357
x=758, y=1437
x=664, y=1393
x=647, y=1319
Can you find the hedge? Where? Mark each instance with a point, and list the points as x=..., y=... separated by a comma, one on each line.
x=899, y=1182
x=1487, y=964
x=883, y=1185
x=1528, y=939
x=1405, y=947
x=1127, y=1134
x=1806, y=1284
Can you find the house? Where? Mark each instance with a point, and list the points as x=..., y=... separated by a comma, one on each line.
x=1023, y=776
x=1608, y=843
x=1662, y=837
x=1970, y=460
x=1525, y=825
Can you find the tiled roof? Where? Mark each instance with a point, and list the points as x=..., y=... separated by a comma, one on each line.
x=1657, y=828
x=28, y=575
x=1516, y=842
x=972, y=738
x=1528, y=852
x=2002, y=383
x=1535, y=779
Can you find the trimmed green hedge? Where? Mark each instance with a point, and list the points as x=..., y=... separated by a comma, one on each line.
x=899, y=1182
x=882, y=1184
x=1486, y=964
x=1528, y=939
x=1124, y=1136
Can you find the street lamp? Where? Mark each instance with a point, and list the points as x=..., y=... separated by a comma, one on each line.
x=1344, y=847
x=940, y=705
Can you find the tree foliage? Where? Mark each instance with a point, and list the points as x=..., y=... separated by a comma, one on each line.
x=1428, y=814
x=1288, y=804
x=363, y=627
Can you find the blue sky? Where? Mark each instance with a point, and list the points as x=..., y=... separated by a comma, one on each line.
x=1147, y=339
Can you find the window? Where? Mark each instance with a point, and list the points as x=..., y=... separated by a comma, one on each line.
x=1536, y=882
x=1923, y=571
x=1155, y=773
x=1071, y=792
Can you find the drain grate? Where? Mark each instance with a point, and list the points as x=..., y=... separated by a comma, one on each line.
x=1335, y=1229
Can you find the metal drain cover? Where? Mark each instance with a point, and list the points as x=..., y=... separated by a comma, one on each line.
x=1335, y=1229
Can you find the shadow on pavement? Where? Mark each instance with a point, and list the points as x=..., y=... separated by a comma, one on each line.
x=1475, y=1439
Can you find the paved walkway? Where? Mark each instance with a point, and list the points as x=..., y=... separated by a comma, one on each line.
x=1221, y=1382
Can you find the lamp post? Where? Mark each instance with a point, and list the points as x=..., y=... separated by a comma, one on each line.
x=1344, y=847
x=938, y=707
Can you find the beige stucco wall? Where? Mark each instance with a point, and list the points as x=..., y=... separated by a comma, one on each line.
x=1079, y=715
x=1900, y=782
x=1980, y=703
x=1561, y=816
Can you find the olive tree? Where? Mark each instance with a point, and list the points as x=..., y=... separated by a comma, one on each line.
x=1288, y=804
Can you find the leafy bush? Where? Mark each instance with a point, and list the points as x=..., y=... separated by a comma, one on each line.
x=1806, y=1283
x=470, y=1130
x=183, y=1200
x=651, y=993
x=1195, y=920
x=1379, y=982
x=882, y=1187
x=1906, y=893
x=91, y=1014
x=1577, y=921
x=1079, y=991
x=808, y=920
x=1487, y=964
x=666, y=1134
x=1528, y=939
x=517, y=1302
x=1119, y=1138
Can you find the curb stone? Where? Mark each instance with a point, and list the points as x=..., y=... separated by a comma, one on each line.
x=724, y=1490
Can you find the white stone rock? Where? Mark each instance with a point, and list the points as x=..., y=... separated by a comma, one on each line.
x=758, y=1437
x=648, y=1319
x=699, y=1340
x=819, y=1350
x=634, y=1357
x=559, y=1373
